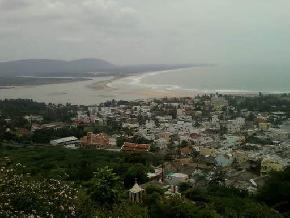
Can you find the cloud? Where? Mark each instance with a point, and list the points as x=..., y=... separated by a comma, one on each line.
x=13, y=4
x=105, y=12
x=157, y=31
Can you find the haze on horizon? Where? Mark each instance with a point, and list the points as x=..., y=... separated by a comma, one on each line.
x=151, y=31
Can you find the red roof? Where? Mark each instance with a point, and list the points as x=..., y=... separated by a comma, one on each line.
x=95, y=139
x=127, y=146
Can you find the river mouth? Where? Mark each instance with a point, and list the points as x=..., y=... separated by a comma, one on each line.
x=170, y=83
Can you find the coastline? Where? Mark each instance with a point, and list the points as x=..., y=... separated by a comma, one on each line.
x=144, y=91
x=133, y=83
x=95, y=90
x=104, y=84
x=7, y=87
x=10, y=83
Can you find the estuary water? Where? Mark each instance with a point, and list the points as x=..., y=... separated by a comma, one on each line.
x=172, y=83
x=79, y=92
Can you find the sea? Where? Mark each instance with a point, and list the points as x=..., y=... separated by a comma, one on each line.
x=222, y=79
x=204, y=79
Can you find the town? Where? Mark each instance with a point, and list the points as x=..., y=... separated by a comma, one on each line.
x=200, y=137
x=235, y=141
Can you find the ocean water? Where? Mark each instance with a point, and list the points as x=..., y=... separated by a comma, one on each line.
x=181, y=82
x=269, y=79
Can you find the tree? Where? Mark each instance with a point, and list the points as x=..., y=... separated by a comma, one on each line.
x=104, y=187
x=184, y=186
x=120, y=141
x=275, y=192
x=123, y=210
x=137, y=171
x=184, y=144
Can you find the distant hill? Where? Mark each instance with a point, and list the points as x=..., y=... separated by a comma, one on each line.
x=76, y=68
x=41, y=67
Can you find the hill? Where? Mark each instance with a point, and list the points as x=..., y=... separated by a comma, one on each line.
x=75, y=68
x=45, y=67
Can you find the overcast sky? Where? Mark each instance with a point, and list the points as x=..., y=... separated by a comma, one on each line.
x=147, y=31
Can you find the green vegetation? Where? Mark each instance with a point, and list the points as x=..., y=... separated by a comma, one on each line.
x=75, y=165
x=275, y=192
x=45, y=181
x=262, y=103
x=89, y=183
x=15, y=108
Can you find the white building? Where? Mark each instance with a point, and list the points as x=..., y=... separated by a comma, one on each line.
x=232, y=141
x=235, y=126
x=176, y=178
x=67, y=141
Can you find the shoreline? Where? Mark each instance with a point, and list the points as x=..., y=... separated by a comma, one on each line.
x=95, y=90
x=147, y=91
x=39, y=81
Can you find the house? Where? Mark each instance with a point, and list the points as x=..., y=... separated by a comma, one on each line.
x=130, y=125
x=95, y=140
x=67, y=142
x=176, y=178
x=235, y=126
x=33, y=118
x=240, y=157
x=132, y=147
x=206, y=151
x=161, y=143
x=165, y=136
x=180, y=112
x=224, y=159
x=218, y=102
x=186, y=151
x=157, y=175
x=271, y=164
x=264, y=126
x=279, y=134
x=54, y=126
x=233, y=140
x=22, y=132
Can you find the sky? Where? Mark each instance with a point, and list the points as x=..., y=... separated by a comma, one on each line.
x=147, y=31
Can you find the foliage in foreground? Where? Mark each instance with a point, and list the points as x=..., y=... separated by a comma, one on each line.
x=22, y=196
x=104, y=193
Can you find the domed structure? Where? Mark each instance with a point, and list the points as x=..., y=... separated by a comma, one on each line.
x=136, y=193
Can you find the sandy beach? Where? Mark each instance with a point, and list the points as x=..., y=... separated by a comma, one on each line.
x=95, y=90
x=117, y=87
x=128, y=92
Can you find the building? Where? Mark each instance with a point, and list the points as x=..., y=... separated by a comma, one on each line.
x=186, y=151
x=264, y=126
x=70, y=142
x=157, y=175
x=136, y=193
x=95, y=140
x=271, y=164
x=223, y=159
x=207, y=152
x=218, y=103
x=235, y=126
x=132, y=147
x=233, y=141
x=240, y=157
x=279, y=134
x=176, y=178
x=33, y=118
